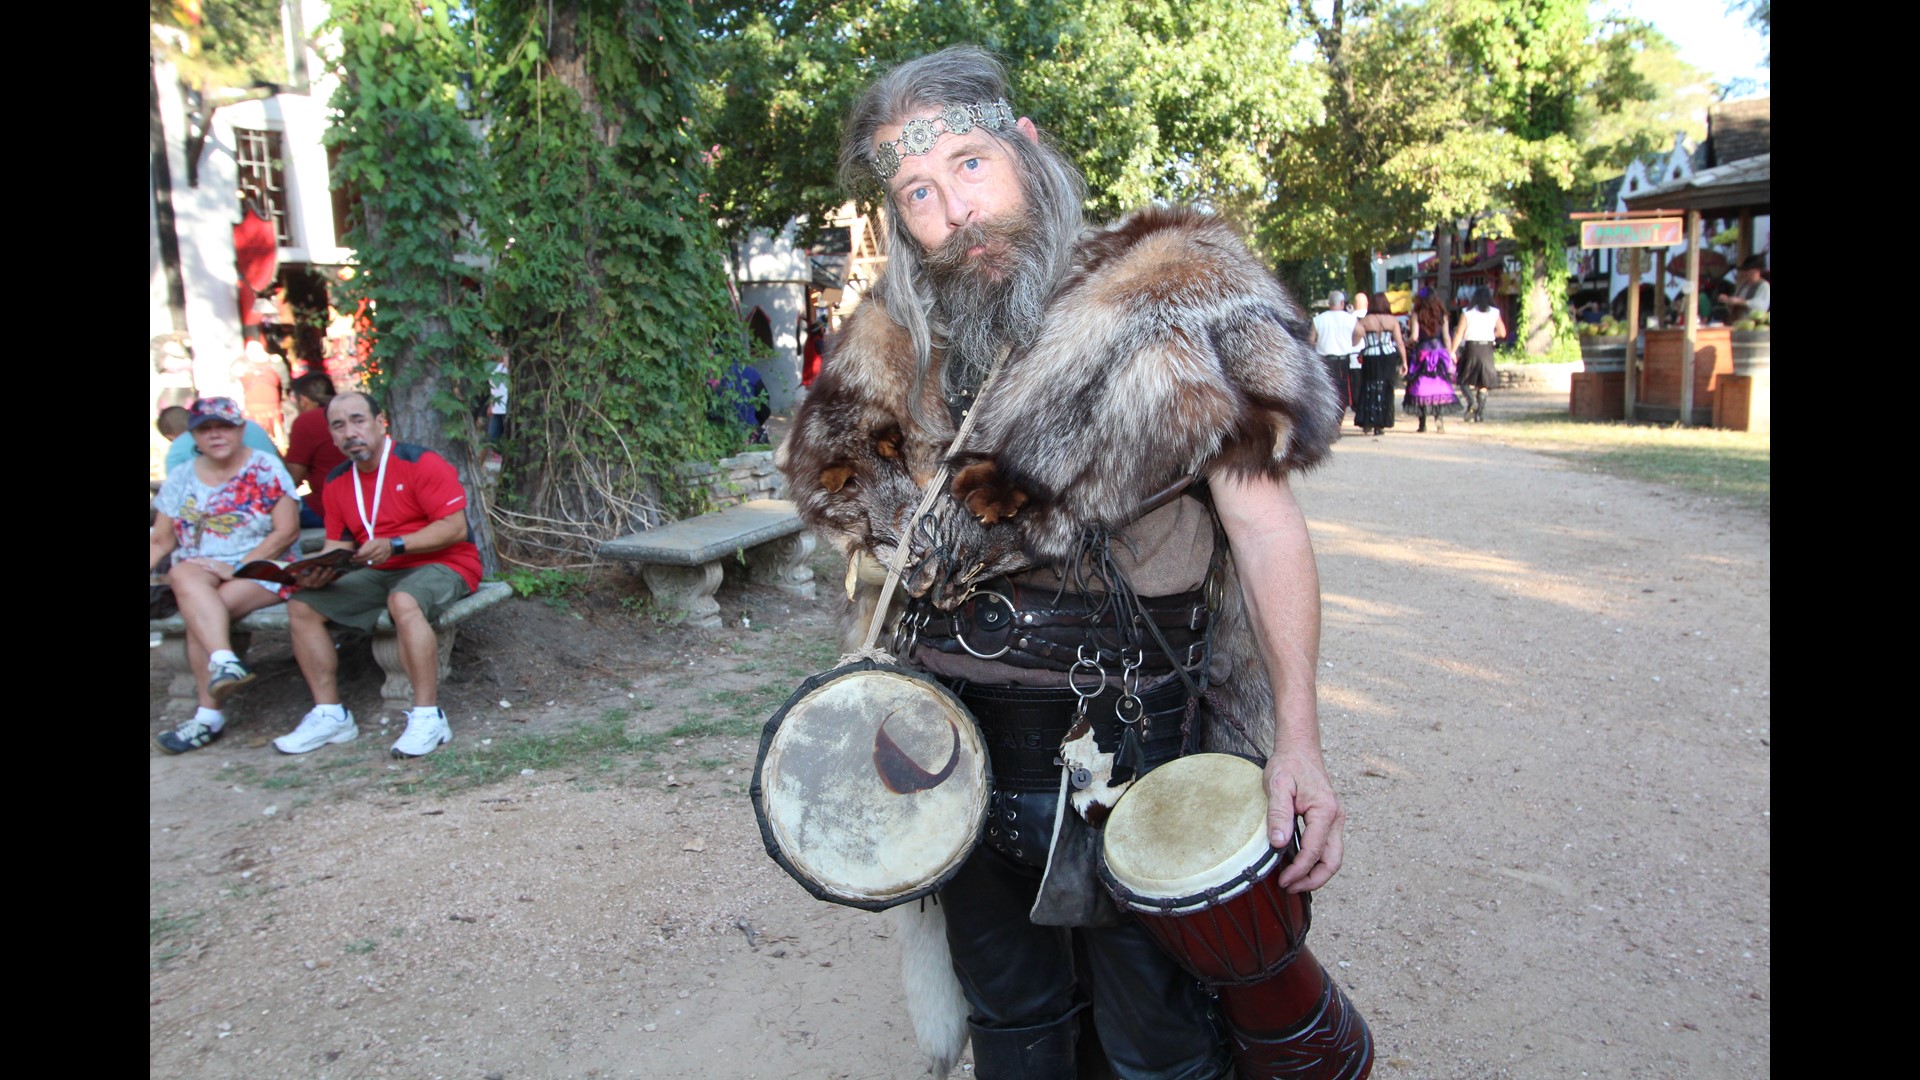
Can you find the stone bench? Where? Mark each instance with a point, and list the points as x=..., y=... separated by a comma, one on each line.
x=682, y=560
x=182, y=696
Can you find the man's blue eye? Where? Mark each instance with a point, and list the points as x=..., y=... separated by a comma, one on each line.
x=971, y=163
x=918, y=194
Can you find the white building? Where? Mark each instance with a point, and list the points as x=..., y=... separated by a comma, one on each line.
x=259, y=145
x=780, y=281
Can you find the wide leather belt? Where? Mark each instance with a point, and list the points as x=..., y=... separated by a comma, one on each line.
x=1023, y=727
x=1032, y=628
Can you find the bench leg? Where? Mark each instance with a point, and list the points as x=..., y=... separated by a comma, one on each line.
x=782, y=563
x=397, y=688
x=183, y=693
x=687, y=589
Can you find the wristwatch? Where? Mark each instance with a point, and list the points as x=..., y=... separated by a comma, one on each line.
x=399, y=544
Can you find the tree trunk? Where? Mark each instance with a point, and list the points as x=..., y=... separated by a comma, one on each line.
x=1443, y=251
x=1538, y=333
x=1360, y=265
x=415, y=379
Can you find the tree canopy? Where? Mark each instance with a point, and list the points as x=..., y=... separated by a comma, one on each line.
x=1153, y=99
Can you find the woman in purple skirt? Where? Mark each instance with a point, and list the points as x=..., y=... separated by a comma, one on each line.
x=1430, y=368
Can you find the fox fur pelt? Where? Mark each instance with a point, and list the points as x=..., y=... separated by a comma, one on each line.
x=1169, y=351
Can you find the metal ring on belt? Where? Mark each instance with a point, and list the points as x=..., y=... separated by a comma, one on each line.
x=992, y=618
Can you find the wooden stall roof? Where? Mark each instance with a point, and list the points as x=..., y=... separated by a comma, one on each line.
x=1741, y=185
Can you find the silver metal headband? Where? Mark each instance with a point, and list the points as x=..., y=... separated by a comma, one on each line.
x=920, y=133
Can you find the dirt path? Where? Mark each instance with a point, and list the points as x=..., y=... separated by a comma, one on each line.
x=1545, y=698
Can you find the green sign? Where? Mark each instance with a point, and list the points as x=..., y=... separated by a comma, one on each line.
x=1643, y=232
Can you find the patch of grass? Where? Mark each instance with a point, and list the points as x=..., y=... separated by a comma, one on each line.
x=1736, y=465
x=710, y=763
x=554, y=584
x=166, y=935
x=603, y=745
x=286, y=776
x=644, y=606
x=164, y=924
x=362, y=947
x=704, y=728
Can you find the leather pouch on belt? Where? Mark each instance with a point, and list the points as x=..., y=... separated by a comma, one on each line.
x=1071, y=893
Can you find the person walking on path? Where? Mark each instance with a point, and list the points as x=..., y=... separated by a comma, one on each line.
x=1430, y=368
x=1383, y=356
x=1481, y=324
x=1332, y=334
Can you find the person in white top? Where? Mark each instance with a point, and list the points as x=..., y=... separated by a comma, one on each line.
x=1481, y=324
x=1332, y=336
x=497, y=411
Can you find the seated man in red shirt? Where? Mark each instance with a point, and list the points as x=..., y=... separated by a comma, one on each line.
x=401, y=509
x=311, y=455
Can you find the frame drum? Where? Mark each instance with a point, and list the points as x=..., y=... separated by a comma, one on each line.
x=871, y=785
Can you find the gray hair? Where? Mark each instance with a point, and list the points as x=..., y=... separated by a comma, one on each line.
x=1336, y=298
x=958, y=75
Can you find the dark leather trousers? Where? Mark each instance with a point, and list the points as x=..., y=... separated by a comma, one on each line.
x=1154, y=1020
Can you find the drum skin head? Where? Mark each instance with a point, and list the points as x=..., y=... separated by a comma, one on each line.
x=1189, y=825
x=872, y=785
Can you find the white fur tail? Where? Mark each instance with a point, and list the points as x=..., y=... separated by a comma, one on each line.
x=934, y=1001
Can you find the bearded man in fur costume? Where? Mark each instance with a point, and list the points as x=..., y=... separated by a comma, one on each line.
x=1134, y=398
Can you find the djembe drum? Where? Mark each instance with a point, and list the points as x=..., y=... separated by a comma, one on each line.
x=871, y=785
x=1186, y=850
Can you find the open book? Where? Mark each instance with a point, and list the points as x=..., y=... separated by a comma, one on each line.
x=287, y=573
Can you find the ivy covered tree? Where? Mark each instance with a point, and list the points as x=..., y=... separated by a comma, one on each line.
x=609, y=284
x=528, y=186
x=409, y=153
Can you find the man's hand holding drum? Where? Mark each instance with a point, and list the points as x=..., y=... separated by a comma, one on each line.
x=1297, y=784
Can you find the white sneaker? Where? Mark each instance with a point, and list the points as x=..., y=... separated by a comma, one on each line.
x=424, y=735
x=317, y=730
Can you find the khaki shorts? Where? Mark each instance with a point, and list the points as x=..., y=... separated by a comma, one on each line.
x=359, y=598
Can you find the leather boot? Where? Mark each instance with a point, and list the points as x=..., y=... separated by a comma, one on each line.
x=1480, y=406
x=1041, y=1052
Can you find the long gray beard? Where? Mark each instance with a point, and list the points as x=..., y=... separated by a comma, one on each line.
x=979, y=314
